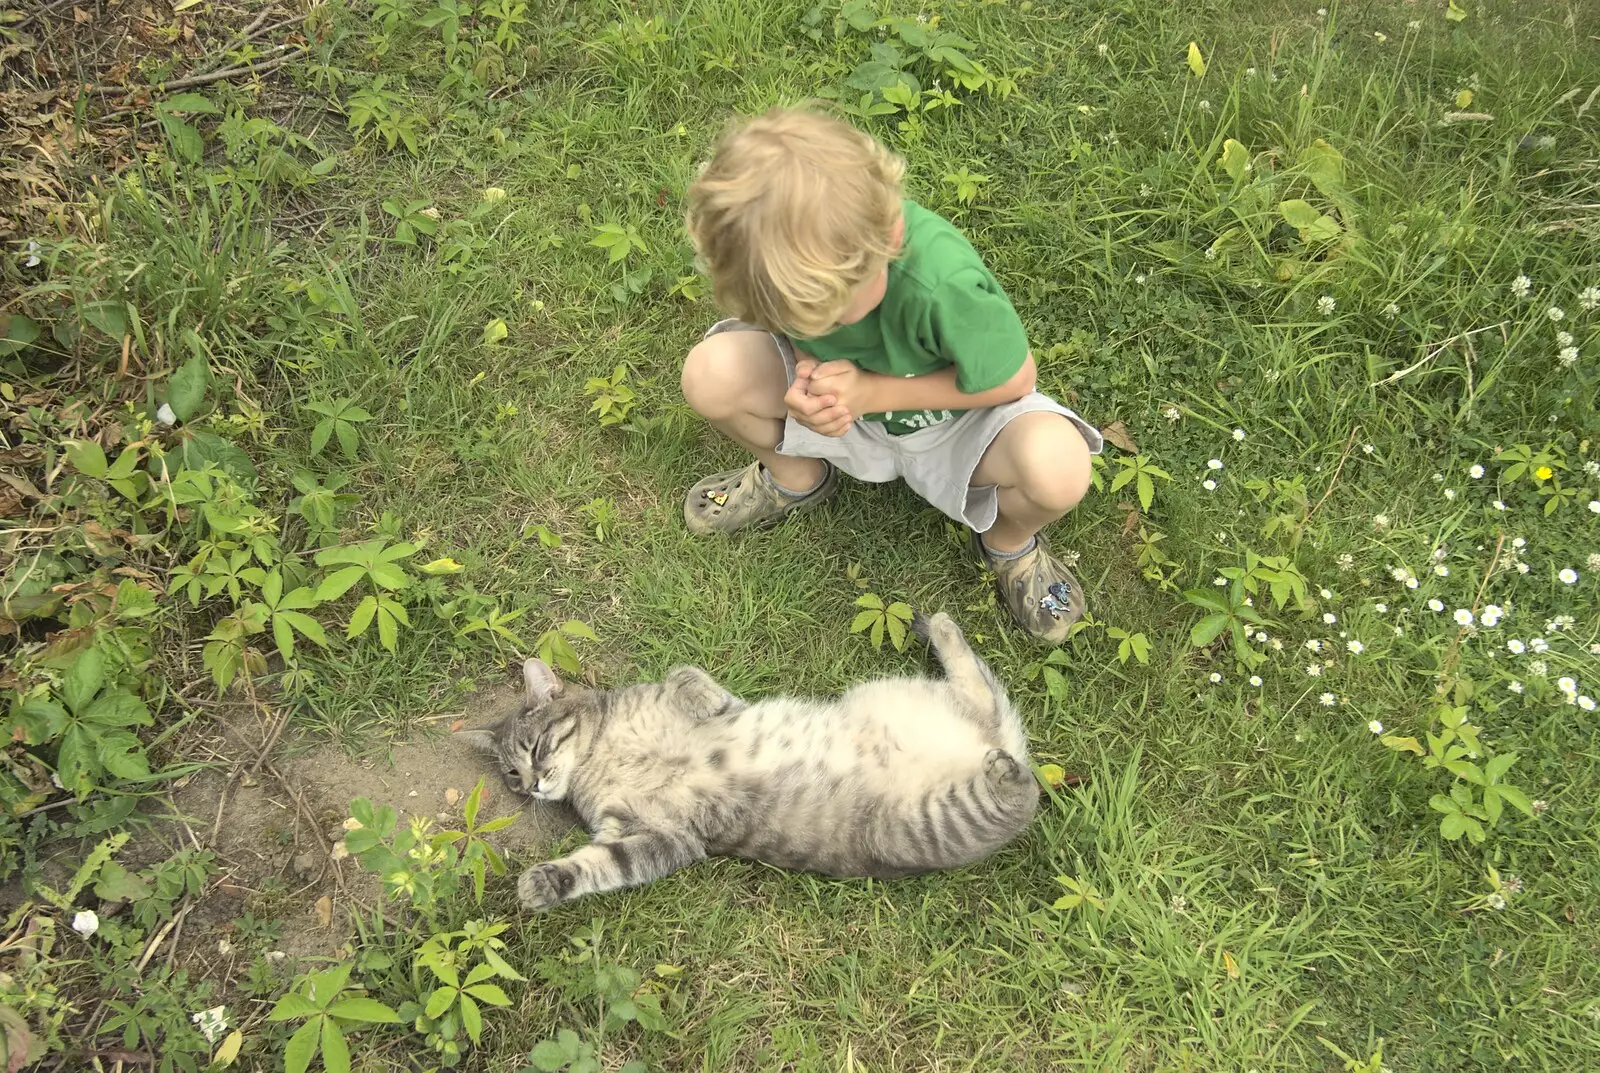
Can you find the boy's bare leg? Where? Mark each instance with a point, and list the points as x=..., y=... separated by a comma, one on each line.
x=1040, y=466
x=736, y=381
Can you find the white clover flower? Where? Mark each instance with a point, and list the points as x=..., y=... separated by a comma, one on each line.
x=1559, y=623
x=1563, y=339
x=1367, y=448
x=1538, y=668
x=1499, y=504
x=1171, y=413
x=1215, y=677
x=1144, y=190
x=1399, y=631
x=1382, y=609
x=1211, y=253
x=1205, y=106
x=1346, y=561
x=1314, y=670
x=1380, y=38
x=1522, y=568
x=1449, y=493
x=1590, y=299
x=1219, y=582
x=1209, y=485
x=1463, y=616
x=1514, y=685
x=1593, y=561
x=1414, y=25
x=1567, y=357
x=1475, y=472
x=1568, y=576
x=1495, y=900
x=1380, y=522
x=85, y=922
x=1521, y=287
x=1255, y=680
x=1325, y=305
x=1555, y=313
x=1103, y=48
x=1214, y=463
x=1140, y=278
x=1567, y=685
x=1538, y=646
x=1355, y=647
x=212, y=1023
x=1519, y=543
x=1328, y=700
x=1435, y=605
x=1322, y=12
x=1375, y=726
x=1392, y=310
x=1586, y=703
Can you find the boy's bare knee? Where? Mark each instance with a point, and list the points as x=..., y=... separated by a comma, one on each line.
x=1053, y=464
x=723, y=374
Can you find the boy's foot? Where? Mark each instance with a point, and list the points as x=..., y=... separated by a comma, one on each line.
x=1043, y=596
x=748, y=499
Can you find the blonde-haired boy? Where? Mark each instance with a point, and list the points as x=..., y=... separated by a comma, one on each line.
x=866, y=335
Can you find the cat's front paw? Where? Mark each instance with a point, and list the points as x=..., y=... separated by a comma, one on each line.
x=999, y=767
x=543, y=886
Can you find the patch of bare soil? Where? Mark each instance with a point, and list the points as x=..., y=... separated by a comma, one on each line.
x=274, y=833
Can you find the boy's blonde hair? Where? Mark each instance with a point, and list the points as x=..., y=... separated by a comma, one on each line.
x=795, y=211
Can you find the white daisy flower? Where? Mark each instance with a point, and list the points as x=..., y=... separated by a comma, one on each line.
x=1355, y=647
x=1325, y=305
x=1238, y=433
x=1375, y=726
x=1411, y=583
x=1314, y=670
x=1499, y=504
x=1586, y=703
x=1435, y=605
x=1215, y=463
x=1219, y=582
x=1463, y=616
x=1521, y=287
x=1538, y=646
x=1566, y=684
x=1568, y=576
x=1475, y=472
x=1314, y=645
x=1442, y=570
x=1215, y=677
x=1328, y=700
x=1382, y=609
x=1594, y=506
x=1449, y=493
x=1209, y=485
x=1519, y=542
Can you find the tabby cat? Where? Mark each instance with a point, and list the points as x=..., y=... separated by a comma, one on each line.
x=897, y=776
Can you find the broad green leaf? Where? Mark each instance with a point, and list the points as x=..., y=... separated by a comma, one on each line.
x=1208, y=629
x=87, y=457
x=441, y=1000
x=1324, y=166
x=229, y=1050
x=307, y=626
x=302, y=1046
x=388, y=632
x=1402, y=744
x=1491, y=804
x=339, y=582
x=1453, y=826
x=870, y=599
x=121, y=754
x=193, y=103
x=1516, y=798
x=118, y=709
x=547, y=1056
x=1235, y=159
x=444, y=565
x=362, y=617
x=283, y=637
x=320, y=434
x=186, y=140
x=360, y=1008
x=110, y=317
x=489, y=993
x=494, y=331
x=83, y=680
x=124, y=466
x=1299, y=213
x=116, y=884
x=471, y=1019
x=1197, y=63
x=42, y=720
x=16, y=332
x=335, y=1052
x=1455, y=12
x=1499, y=765
x=186, y=388
x=574, y=628
x=863, y=620
x=348, y=437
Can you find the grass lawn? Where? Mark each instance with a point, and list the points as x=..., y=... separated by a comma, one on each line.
x=1355, y=347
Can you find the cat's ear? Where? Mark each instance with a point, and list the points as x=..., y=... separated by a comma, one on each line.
x=485, y=741
x=540, y=681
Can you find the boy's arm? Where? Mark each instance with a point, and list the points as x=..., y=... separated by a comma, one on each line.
x=861, y=392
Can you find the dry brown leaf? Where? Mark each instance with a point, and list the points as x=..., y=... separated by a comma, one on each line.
x=457, y=725
x=324, y=908
x=1117, y=433
x=451, y=796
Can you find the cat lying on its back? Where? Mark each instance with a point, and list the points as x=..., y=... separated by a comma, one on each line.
x=898, y=776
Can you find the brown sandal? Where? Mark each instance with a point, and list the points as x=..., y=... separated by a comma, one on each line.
x=746, y=499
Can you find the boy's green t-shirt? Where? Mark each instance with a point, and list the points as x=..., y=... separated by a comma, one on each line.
x=942, y=307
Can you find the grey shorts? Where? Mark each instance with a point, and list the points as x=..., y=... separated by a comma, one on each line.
x=937, y=462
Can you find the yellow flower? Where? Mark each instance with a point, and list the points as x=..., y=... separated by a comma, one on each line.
x=1544, y=473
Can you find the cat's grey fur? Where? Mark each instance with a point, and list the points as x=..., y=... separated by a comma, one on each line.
x=897, y=776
